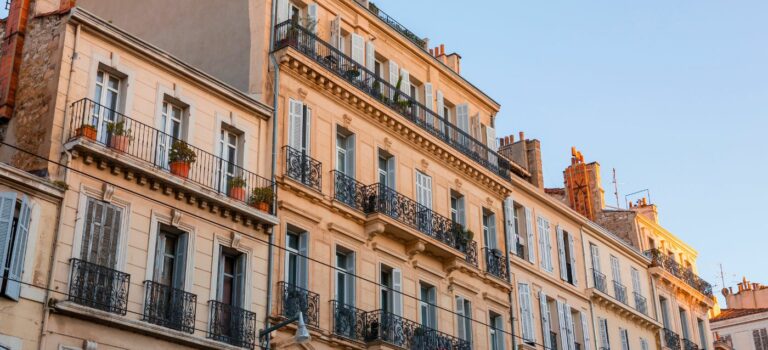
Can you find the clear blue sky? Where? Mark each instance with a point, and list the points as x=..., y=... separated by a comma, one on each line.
x=673, y=94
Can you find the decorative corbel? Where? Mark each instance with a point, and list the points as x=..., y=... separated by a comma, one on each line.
x=108, y=192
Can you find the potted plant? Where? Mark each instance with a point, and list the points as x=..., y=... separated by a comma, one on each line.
x=119, y=136
x=261, y=198
x=352, y=73
x=237, y=188
x=180, y=158
x=87, y=130
x=376, y=87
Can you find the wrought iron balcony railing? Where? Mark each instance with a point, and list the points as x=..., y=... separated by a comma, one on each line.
x=376, y=11
x=294, y=299
x=620, y=291
x=288, y=34
x=671, y=339
x=404, y=333
x=599, y=281
x=689, y=345
x=232, y=325
x=378, y=198
x=641, y=304
x=169, y=307
x=553, y=340
x=686, y=275
x=154, y=147
x=348, y=321
x=98, y=287
x=303, y=168
x=495, y=263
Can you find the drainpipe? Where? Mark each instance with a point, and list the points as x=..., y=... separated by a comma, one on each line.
x=595, y=341
x=275, y=115
x=509, y=280
x=10, y=61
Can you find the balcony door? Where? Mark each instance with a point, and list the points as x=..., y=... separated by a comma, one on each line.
x=427, y=308
x=171, y=126
x=229, y=154
x=102, y=233
x=170, y=257
x=424, y=198
x=107, y=96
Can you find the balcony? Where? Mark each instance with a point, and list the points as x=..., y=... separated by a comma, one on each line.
x=641, y=304
x=232, y=325
x=599, y=281
x=380, y=199
x=689, y=345
x=303, y=168
x=98, y=287
x=495, y=263
x=392, y=329
x=294, y=299
x=169, y=307
x=294, y=36
x=348, y=321
x=147, y=153
x=668, y=263
x=373, y=9
x=671, y=339
x=620, y=292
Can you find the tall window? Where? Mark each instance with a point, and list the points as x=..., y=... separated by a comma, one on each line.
x=684, y=324
x=664, y=303
x=299, y=126
x=545, y=245
x=427, y=302
x=14, y=232
x=624, y=338
x=171, y=127
x=345, y=152
x=567, y=256
x=107, y=95
x=605, y=342
x=390, y=298
x=489, y=229
x=518, y=216
x=457, y=208
x=464, y=318
x=760, y=337
x=496, y=323
x=702, y=333
x=231, y=277
x=102, y=233
x=345, y=281
x=170, y=257
x=229, y=150
x=386, y=169
x=296, y=267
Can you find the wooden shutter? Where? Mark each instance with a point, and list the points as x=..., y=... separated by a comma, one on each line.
x=394, y=73
x=542, y=242
x=462, y=117
x=307, y=129
x=493, y=240
x=636, y=281
x=303, y=263
x=424, y=190
x=335, y=32
x=180, y=261
x=460, y=330
x=349, y=277
x=312, y=16
x=397, y=296
x=282, y=11
x=490, y=138
x=526, y=314
x=574, y=274
x=358, y=49
x=405, y=85
x=460, y=211
x=570, y=327
x=391, y=173
x=561, y=253
x=239, y=281
x=545, y=325
x=7, y=208
x=370, y=57
x=296, y=124
x=585, y=331
x=440, y=105
x=615, y=269
x=529, y=231
x=510, y=231
x=595, y=253
x=429, y=101
x=624, y=339
x=13, y=284
x=350, y=156
x=604, y=339
x=561, y=318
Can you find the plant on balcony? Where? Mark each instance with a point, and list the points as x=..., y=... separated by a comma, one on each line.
x=87, y=130
x=180, y=158
x=376, y=87
x=352, y=73
x=261, y=198
x=119, y=136
x=463, y=236
x=237, y=188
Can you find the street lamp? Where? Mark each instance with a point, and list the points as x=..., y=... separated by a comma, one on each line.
x=302, y=333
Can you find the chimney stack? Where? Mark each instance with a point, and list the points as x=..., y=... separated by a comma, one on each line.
x=526, y=154
x=583, y=186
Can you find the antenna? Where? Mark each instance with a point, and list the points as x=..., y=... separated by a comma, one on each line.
x=616, y=189
x=722, y=275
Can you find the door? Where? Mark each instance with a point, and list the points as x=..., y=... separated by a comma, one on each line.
x=107, y=96
x=424, y=199
x=228, y=159
x=170, y=131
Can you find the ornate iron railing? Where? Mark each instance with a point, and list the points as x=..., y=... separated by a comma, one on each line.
x=348, y=321
x=293, y=35
x=671, y=339
x=351, y=192
x=99, y=287
x=620, y=291
x=599, y=281
x=137, y=140
x=689, y=345
x=294, y=299
x=169, y=307
x=641, y=304
x=553, y=340
x=303, y=168
x=401, y=332
x=232, y=325
x=669, y=264
x=495, y=263
x=376, y=11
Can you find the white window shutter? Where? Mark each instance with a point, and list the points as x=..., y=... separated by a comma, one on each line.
x=405, y=85
x=493, y=239
x=490, y=138
x=460, y=212
x=595, y=252
x=460, y=318
x=350, y=155
x=545, y=325
x=615, y=269
x=397, y=297
x=570, y=327
x=643, y=344
x=335, y=32
x=303, y=263
x=604, y=339
x=358, y=49
x=391, y=173
x=440, y=104
x=394, y=73
x=312, y=16
x=585, y=331
x=350, y=280
x=510, y=231
x=563, y=328
x=282, y=11
x=571, y=250
x=429, y=101
x=636, y=281
x=543, y=232
x=295, y=124
x=13, y=284
x=307, y=129
x=561, y=253
x=529, y=231
x=370, y=57
x=524, y=300
x=462, y=117
x=624, y=339
x=7, y=209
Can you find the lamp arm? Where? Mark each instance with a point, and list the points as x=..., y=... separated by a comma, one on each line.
x=264, y=332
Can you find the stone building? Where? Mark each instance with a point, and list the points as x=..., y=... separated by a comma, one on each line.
x=743, y=324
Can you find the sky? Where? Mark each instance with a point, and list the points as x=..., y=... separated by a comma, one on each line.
x=672, y=94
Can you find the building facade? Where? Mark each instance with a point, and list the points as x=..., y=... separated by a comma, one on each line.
x=743, y=324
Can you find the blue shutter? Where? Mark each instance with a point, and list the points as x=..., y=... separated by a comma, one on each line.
x=303, y=268
x=13, y=287
x=239, y=283
x=180, y=261
x=7, y=206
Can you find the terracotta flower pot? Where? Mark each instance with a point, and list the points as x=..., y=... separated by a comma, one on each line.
x=119, y=142
x=180, y=168
x=87, y=131
x=263, y=206
x=237, y=193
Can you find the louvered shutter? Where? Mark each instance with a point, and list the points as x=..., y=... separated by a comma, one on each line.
x=296, y=125
x=585, y=330
x=335, y=32
x=391, y=173
x=370, y=57
x=180, y=261
x=239, y=281
x=350, y=156
x=595, y=252
x=643, y=344
x=462, y=117
x=429, y=101
x=490, y=138
x=397, y=296
x=350, y=279
x=570, y=327
x=358, y=49
x=312, y=16
x=307, y=129
x=529, y=231
x=460, y=318
x=543, y=232
x=13, y=285
x=303, y=263
x=7, y=208
x=574, y=274
x=405, y=85
x=440, y=105
x=563, y=327
x=460, y=212
x=604, y=339
x=524, y=299
x=492, y=239
x=282, y=11
x=545, y=325
x=636, y=281
x=561, y=253
x=624, y=339
x=510, y=231
x=159, y=257
x=615, y=271
x=394, y=73
x=432, y=309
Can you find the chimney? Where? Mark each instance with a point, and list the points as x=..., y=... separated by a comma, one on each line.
x=646, y=209
x=583, y=186
x=526, y=154
x=452, y=60
x=10, y=62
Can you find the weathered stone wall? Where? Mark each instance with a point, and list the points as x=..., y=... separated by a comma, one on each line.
x=621, y=223
x=31, y=128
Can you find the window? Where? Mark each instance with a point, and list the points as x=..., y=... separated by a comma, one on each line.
x=171, y=127
x=457, y=208
x=643, y=344
x=170, y=257
x=231, y=278
x=526, y=312
x=386, y=169
x=684, y=324
x=107, y=95
x=760, y=336
x=345, y=281
x=518, y=222
x=624, y=338
x=565, y=320
x=489, y=229
x=702, y=334
x=345, y=152
x=391, y=281
x=230, y=151
x=464, y=318
x=102, y=233
x=567, y=256
x=299, y=126
x=427, y=308
x=296, y=264
x=546, y=317
x=664, y=312
x=424, y=190
x=604, y=340
x=496, y=323
x=545, y=245
x=14, y=232
x=295, y=12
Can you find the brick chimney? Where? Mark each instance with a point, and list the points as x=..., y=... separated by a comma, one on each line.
x=452, y=60
x=583, y=187
x=646, y=209
x=10, y=61
x=526, y=154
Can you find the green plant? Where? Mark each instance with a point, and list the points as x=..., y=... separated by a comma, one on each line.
x=237, y=181
x=353, y=73
x=261, y=194
x=119, y=129
x=180, y=152
x=396, y=98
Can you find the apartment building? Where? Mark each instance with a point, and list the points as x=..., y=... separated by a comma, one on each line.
x=743, y=324
x=160, y=179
